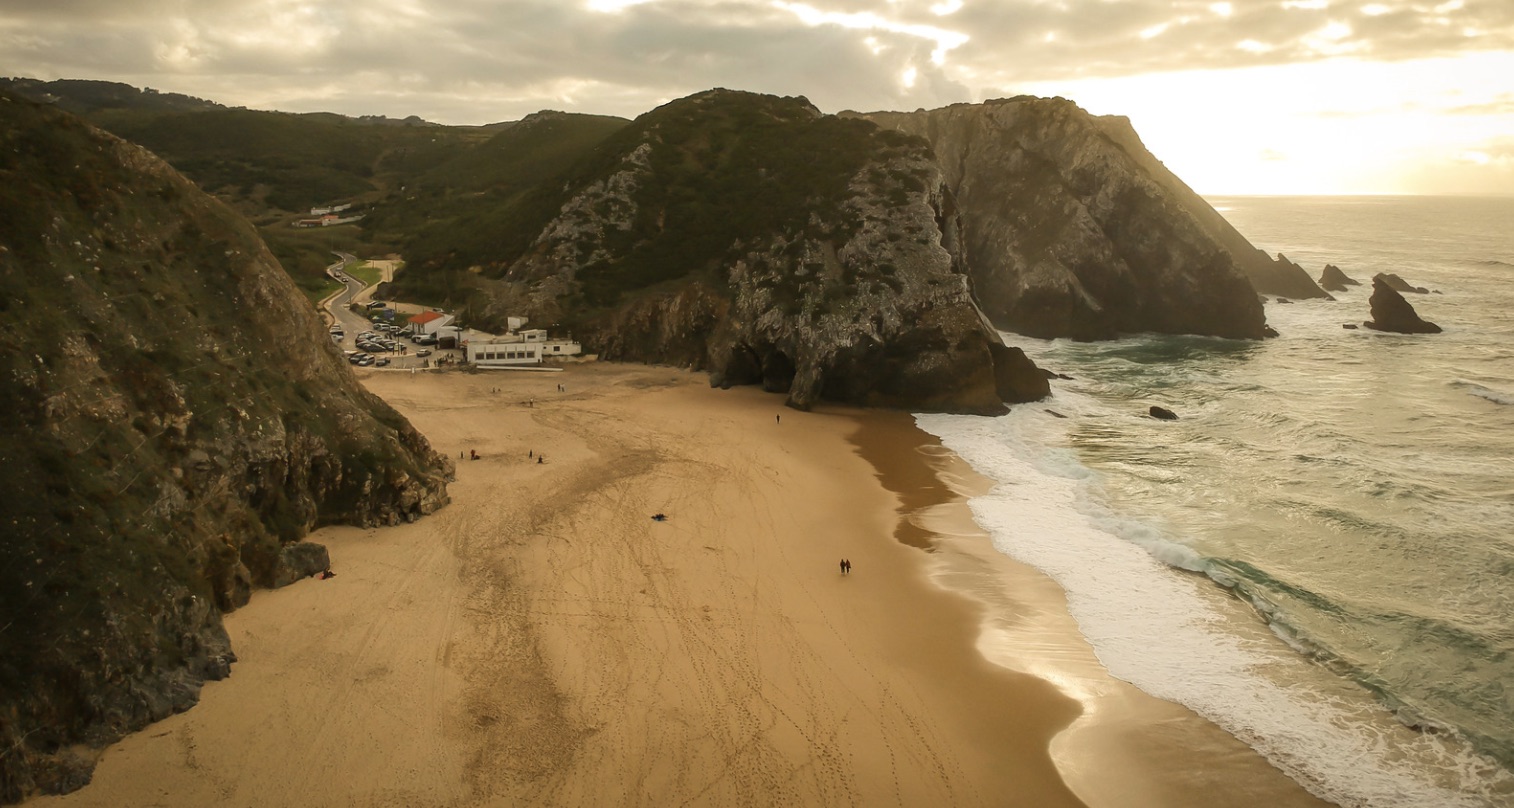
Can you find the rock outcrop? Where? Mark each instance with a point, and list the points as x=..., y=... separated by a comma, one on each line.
x=1398, y=284
x=755, y=238
x=177, y=421
x=1390, y=312
x=1332, y=279
x=1283, y=278
x=1072, y=229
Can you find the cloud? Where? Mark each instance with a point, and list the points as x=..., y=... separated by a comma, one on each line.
x=472, y=61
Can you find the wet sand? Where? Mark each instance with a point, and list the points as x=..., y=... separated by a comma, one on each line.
x=543, y=641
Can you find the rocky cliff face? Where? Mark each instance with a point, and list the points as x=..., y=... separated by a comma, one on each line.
x=755, y=238
x=1072, y=229
x=1269, y=276
x=178, y=420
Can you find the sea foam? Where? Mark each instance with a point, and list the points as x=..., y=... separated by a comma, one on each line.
x=1495, y=396
x=1158, y=628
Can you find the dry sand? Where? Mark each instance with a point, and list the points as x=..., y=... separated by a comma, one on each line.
x=543, y=641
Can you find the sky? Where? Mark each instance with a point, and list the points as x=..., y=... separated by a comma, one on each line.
x=1236, y=96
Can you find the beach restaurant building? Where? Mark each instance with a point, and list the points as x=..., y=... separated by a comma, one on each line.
x=529, y=347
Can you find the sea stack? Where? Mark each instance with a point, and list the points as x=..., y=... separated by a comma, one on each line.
x=1332, y=279
x=1400, y=285
x=1390, y=312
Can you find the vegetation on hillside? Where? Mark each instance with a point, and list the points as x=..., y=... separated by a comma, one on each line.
x=178, y=419
x=730, y=170
x=447, y=194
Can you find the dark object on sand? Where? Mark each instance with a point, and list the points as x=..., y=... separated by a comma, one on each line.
x=659, y=517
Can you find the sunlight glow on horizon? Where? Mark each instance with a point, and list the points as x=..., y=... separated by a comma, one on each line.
x=1341, y=127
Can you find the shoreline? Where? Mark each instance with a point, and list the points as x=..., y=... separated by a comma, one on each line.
x=542, y=641
x=1127, y=748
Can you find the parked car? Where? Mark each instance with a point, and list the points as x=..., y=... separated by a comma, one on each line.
x=423, y=352
x=381, y=361
x=356, y=359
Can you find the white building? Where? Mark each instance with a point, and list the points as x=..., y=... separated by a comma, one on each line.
x=530, y=347
x=429, y=322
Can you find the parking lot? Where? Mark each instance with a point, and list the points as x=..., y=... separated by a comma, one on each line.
x=377, y=344
x=385, y=345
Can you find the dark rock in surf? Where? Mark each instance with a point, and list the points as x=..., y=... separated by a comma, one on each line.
x=1334, y=280
x=1163, y=414
x=1015, y=377
x=1283, y=277
x=1055, y=414
x=1398, y=284
x=1390, y=312
x=1349, y=326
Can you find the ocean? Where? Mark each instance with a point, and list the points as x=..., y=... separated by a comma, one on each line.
x=1354, y=489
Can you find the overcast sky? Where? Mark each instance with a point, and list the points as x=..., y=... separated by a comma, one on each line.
x=1237, y=96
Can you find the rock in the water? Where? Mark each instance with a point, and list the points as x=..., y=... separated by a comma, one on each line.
x=1390, y=312
x=1334, y=280
x=1398, y=284
x=1163, y=414
x=1349, y=326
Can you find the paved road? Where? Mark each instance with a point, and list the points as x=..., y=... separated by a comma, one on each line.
x=355, y=324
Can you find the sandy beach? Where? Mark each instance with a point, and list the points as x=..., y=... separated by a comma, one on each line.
x=544, y=641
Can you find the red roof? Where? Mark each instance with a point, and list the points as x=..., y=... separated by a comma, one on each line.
x=425, y=317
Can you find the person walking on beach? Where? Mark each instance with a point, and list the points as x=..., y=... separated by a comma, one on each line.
x=846, y=566
x=777, y=419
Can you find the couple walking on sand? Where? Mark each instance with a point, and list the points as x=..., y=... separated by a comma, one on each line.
x=846, y=566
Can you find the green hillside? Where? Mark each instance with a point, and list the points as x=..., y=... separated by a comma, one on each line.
x=447, y=192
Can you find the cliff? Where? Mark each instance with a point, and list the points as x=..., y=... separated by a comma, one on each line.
x=178, y=420
x=753, y=237
x=1071, y=228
